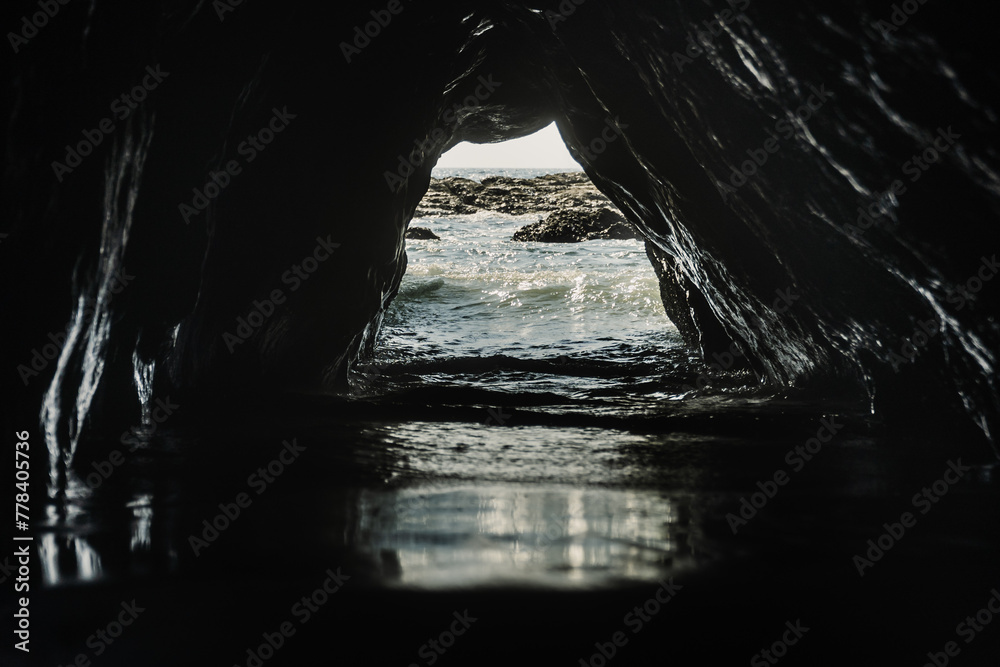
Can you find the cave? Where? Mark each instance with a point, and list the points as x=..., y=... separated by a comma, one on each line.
x=205, y=216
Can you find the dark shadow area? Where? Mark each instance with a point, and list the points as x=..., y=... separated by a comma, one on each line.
x=234, y=400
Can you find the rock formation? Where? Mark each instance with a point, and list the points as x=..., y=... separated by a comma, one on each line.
x=817, y=187
x=574, y=225
x=514, y=196
x=578, y=211
x=422, y=233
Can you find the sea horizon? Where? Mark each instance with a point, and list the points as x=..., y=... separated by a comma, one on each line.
x=479, y=173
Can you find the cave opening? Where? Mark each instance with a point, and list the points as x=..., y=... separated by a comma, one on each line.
x=524, y=280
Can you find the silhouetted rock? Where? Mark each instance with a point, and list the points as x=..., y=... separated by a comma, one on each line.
x=421, y=233
x=572, y=226
x=449, y=196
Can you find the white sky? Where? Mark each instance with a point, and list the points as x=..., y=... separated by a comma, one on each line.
x=544, y=148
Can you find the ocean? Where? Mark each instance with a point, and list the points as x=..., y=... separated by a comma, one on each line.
x=476, y=309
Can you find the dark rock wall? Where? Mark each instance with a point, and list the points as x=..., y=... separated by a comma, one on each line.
x=658, y=122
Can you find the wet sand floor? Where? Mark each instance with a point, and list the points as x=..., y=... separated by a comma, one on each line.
x=553, y=537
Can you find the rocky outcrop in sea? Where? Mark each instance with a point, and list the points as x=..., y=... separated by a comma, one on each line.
x=574, y=225
x=422, y=233
x=577, y=210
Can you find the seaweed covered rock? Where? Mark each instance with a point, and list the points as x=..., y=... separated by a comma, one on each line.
x=575, y=225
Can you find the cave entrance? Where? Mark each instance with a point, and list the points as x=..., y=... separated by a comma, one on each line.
x=520, y=366
x=495, y=299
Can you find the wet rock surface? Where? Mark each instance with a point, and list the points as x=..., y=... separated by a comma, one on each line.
x=514, y=196
x=782, y=261
x=422, y=233
x=574, y=225
x=578, y=211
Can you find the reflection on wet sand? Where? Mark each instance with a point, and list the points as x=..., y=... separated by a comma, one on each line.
x=465, y=535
